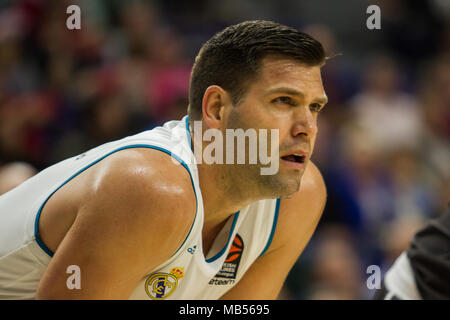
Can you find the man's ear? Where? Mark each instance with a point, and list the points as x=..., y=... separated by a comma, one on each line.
x=213, y=106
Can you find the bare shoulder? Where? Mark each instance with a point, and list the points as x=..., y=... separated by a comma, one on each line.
x=145, y=182
x=142, y=173
x=128, y=186
x=300, y=213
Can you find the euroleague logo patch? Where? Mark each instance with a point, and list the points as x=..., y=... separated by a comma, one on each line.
x=237, y=247
x=231, y=263
x=161, y=285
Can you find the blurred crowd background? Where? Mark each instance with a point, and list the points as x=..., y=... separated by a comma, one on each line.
x=383, y=144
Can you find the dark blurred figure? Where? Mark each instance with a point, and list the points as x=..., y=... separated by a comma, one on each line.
x=423, y=271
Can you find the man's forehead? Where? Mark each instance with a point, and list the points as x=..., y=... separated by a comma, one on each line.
x=280, y=71
x=285, y=67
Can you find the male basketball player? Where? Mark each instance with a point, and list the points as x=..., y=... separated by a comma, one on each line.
x=139, y=225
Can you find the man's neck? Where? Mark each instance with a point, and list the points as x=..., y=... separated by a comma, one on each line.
x=220, y=198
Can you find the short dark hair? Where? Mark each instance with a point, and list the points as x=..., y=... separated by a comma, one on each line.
x=232, y=58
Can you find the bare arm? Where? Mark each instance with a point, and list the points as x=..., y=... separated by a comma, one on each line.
x=297, y=221
x=137, y=214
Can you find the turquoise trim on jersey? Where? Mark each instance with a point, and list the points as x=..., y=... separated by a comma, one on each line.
x=221, y=252
x=274, y=226
x=188, y=133
x=36, y=223
x=42, y=244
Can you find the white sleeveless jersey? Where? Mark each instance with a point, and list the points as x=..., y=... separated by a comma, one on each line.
x=188, y=274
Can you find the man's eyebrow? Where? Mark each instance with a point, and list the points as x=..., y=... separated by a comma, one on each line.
x=293, y=92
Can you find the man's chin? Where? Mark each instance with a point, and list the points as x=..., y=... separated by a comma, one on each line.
x=288, y=186
x=290, y=192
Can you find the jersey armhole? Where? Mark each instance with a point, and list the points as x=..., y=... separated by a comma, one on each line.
x=36, y=223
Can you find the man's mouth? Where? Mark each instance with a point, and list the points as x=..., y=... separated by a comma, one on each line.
x=294, y=158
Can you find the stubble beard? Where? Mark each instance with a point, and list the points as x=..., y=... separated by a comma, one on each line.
x=244, y=181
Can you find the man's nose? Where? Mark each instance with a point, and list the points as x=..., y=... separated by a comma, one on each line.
x=305, y=122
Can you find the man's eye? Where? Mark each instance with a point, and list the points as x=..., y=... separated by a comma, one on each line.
x=284, y=100
x=315, y=107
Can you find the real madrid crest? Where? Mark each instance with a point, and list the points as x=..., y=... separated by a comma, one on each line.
x=161, y=285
